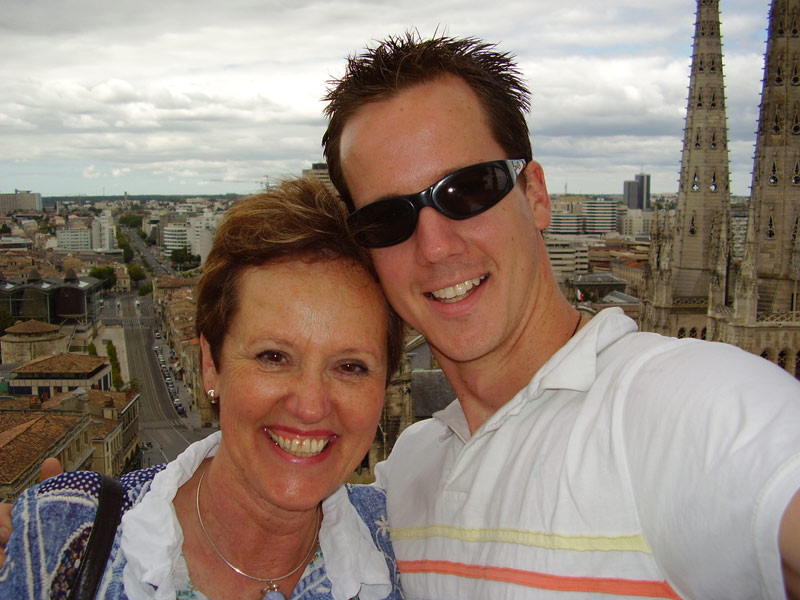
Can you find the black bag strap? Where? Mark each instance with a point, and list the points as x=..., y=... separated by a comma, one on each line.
x=95, y=557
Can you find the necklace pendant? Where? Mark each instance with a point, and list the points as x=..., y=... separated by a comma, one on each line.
x=271, y=592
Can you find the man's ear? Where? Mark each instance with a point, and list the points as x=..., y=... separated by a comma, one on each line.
x=210, y=373
x=536, y=192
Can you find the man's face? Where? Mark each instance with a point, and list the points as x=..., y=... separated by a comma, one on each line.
x=468, y=286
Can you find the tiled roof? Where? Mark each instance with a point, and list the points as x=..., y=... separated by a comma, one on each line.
x=101, y=428
x=98, y=398
x=25, y=436
x=62, y=363
x=32, y=326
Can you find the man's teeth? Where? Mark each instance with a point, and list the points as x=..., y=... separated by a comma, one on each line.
x=301, y=448
x=456, y=292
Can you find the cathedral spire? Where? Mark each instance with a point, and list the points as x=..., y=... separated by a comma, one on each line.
x=703, y=192
x=772, y=254
x=678, y=284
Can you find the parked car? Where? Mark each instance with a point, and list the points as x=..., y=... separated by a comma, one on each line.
x=180, y=410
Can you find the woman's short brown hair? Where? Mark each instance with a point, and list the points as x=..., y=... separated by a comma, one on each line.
x=299, y=219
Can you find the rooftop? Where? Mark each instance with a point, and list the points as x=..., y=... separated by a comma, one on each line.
x=62, y=363
x=32, y=326
x=25, y=436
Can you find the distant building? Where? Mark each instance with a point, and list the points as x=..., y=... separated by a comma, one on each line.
x=115, y=427
x=600, y=215
x=72, y=299
x=636, y=193
x=635, y=222
x=104, y=232
x=20, y=200
x=630, y=194
x=27, y=437
x=568, y=257
x=176, y=236
x=320, y=171
x=26, y=340
x=643, y=191
x=565, y=223
x=48, y=375
x=74, y=239
x=13, y=242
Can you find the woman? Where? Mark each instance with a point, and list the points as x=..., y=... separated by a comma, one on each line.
x=297, y=347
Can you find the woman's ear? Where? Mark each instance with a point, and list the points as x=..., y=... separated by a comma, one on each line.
x=210, y=373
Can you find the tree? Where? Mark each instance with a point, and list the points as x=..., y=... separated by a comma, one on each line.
x=131, y=220
x=182, y=259
x=91, y=349
x=106, y=274
x=136, y=272
x=145, y=289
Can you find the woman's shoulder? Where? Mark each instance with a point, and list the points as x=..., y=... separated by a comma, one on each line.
x=80, y=486
x=370, y=504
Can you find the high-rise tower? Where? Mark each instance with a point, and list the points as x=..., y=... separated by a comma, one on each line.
x=684, y=244
x=756, y=305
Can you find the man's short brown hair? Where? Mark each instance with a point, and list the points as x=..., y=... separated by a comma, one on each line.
x=398, y=63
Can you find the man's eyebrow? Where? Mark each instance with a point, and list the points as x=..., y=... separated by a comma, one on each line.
x=440, y=175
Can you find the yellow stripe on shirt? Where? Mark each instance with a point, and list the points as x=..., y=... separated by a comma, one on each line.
x=553, y=541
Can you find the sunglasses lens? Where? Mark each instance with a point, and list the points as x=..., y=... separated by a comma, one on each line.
x=472, y=190
x=383, y=223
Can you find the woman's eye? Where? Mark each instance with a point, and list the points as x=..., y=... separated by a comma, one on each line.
x=355, y=368
x=272, y=356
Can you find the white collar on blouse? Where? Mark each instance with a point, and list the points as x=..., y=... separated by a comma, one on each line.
x=352, y=562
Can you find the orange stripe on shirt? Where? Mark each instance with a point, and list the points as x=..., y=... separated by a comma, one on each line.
x=621, y=587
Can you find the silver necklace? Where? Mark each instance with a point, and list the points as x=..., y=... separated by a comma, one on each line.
x=270, y=591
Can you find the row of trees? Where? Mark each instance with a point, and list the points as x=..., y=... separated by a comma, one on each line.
x=108, y=275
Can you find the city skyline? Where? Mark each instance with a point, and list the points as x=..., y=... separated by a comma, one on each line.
x=147, y=99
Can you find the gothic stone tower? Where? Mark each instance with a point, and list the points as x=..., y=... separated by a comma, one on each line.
x=684, y=244
x=764, y=314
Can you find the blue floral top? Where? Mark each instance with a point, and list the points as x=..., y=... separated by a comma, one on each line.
x=52, y=523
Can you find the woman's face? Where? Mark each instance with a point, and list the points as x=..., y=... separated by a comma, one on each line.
x=301, y=378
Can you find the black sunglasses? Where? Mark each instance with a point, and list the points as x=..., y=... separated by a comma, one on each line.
x=460, y=195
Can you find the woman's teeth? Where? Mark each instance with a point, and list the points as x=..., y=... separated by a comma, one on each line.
x=301, y=448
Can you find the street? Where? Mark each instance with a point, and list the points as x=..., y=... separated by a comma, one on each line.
x=163, y=433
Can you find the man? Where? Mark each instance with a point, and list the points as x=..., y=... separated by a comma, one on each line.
x=581, y=458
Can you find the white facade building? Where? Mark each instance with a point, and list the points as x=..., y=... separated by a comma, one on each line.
x=104, y=232
x=200, y=233
x=600, y=215
x=75, y=239
x=567, y=257
x=176, y=236
x=635, y=222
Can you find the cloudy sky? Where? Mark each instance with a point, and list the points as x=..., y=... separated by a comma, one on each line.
x=211, y=96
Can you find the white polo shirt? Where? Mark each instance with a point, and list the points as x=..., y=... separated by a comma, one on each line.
x=632, y=465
